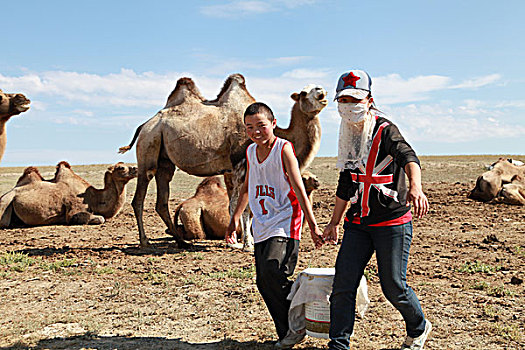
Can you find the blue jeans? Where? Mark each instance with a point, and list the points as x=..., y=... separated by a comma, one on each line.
x=392, y=245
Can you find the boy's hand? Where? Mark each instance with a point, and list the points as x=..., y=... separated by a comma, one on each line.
x=231, y=233
x=317, y=236
x=330, y=233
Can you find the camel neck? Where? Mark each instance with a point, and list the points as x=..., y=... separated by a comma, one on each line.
x=305, y=135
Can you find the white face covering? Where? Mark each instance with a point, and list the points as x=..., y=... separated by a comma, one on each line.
x=352, y=112
x=355, y=135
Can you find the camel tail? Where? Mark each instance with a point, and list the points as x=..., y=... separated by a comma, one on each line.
x=6, y=208
x=124, y=149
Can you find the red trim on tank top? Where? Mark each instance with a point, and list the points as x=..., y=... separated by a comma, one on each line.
x=296, y=219
x=271, y=149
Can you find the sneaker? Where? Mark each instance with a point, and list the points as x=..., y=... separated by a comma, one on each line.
x=417, y=343
x=290, y=340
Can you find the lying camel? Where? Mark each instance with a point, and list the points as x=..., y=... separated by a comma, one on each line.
x=206, y=138
x=66, y=199
x=205, y=215
x=514, y=192
x=311, y=183
x=10, y=105
x=489, y=184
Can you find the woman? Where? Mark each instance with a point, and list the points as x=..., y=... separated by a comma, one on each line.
x=373, y=158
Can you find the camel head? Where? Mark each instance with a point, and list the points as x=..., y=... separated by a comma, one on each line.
x=310, y=181
x=12, y=104
x=122, y=173
x=311, y=99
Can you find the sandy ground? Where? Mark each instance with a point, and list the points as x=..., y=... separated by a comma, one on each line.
x=91, y=287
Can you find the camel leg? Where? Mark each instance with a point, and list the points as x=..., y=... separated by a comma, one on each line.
x=247, y=232
x=233, y=184
x=84, y=218
x=138, y=205
x=192, y=222
x=164, y=174
x=6, y=208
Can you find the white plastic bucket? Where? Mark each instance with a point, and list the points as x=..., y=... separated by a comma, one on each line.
x=317, y=313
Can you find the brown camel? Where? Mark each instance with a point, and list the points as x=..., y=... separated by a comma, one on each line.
x=10, y=105
x=513, y=192
x=489, y=184
x=206, y=138
x=66, y=199
x=205, y=215
x=311, y=183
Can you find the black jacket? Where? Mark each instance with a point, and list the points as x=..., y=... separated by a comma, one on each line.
x=382, y=197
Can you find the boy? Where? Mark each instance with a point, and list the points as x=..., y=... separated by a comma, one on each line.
x=274, y=189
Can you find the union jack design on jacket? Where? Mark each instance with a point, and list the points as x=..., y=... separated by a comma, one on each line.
x=377, y=190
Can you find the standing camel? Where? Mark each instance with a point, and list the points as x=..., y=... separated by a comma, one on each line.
x=206, y=138
x=10, y=105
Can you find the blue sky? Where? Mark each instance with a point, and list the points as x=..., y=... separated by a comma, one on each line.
x=449, y=73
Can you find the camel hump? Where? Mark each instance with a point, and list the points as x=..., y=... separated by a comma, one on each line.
x=30, y=174
x=237, y=77
x=232, y=81
x=63, y=163
x=209, y=182
x=185, y=87
x=32, y=170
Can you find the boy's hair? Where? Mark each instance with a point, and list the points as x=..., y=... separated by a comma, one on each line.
x=259, y=107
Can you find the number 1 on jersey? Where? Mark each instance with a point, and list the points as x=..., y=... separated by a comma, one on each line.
x=264, y=211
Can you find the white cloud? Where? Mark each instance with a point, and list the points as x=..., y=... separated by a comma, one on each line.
x=83, y=112
x=296, y=3
x=235, y=9
x=477, y=82
x=393, y=88
x=123, y=88
x=106, y=100
x=289, y=60
x=466, y=122
x=307, y=73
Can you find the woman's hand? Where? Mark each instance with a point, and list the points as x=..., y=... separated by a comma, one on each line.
x=330, y=234
x=415, y=195
x=419, y=201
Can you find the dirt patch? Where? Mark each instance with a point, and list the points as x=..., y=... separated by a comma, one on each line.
x=90, y=287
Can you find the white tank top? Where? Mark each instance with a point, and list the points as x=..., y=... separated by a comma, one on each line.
x=276, y=210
